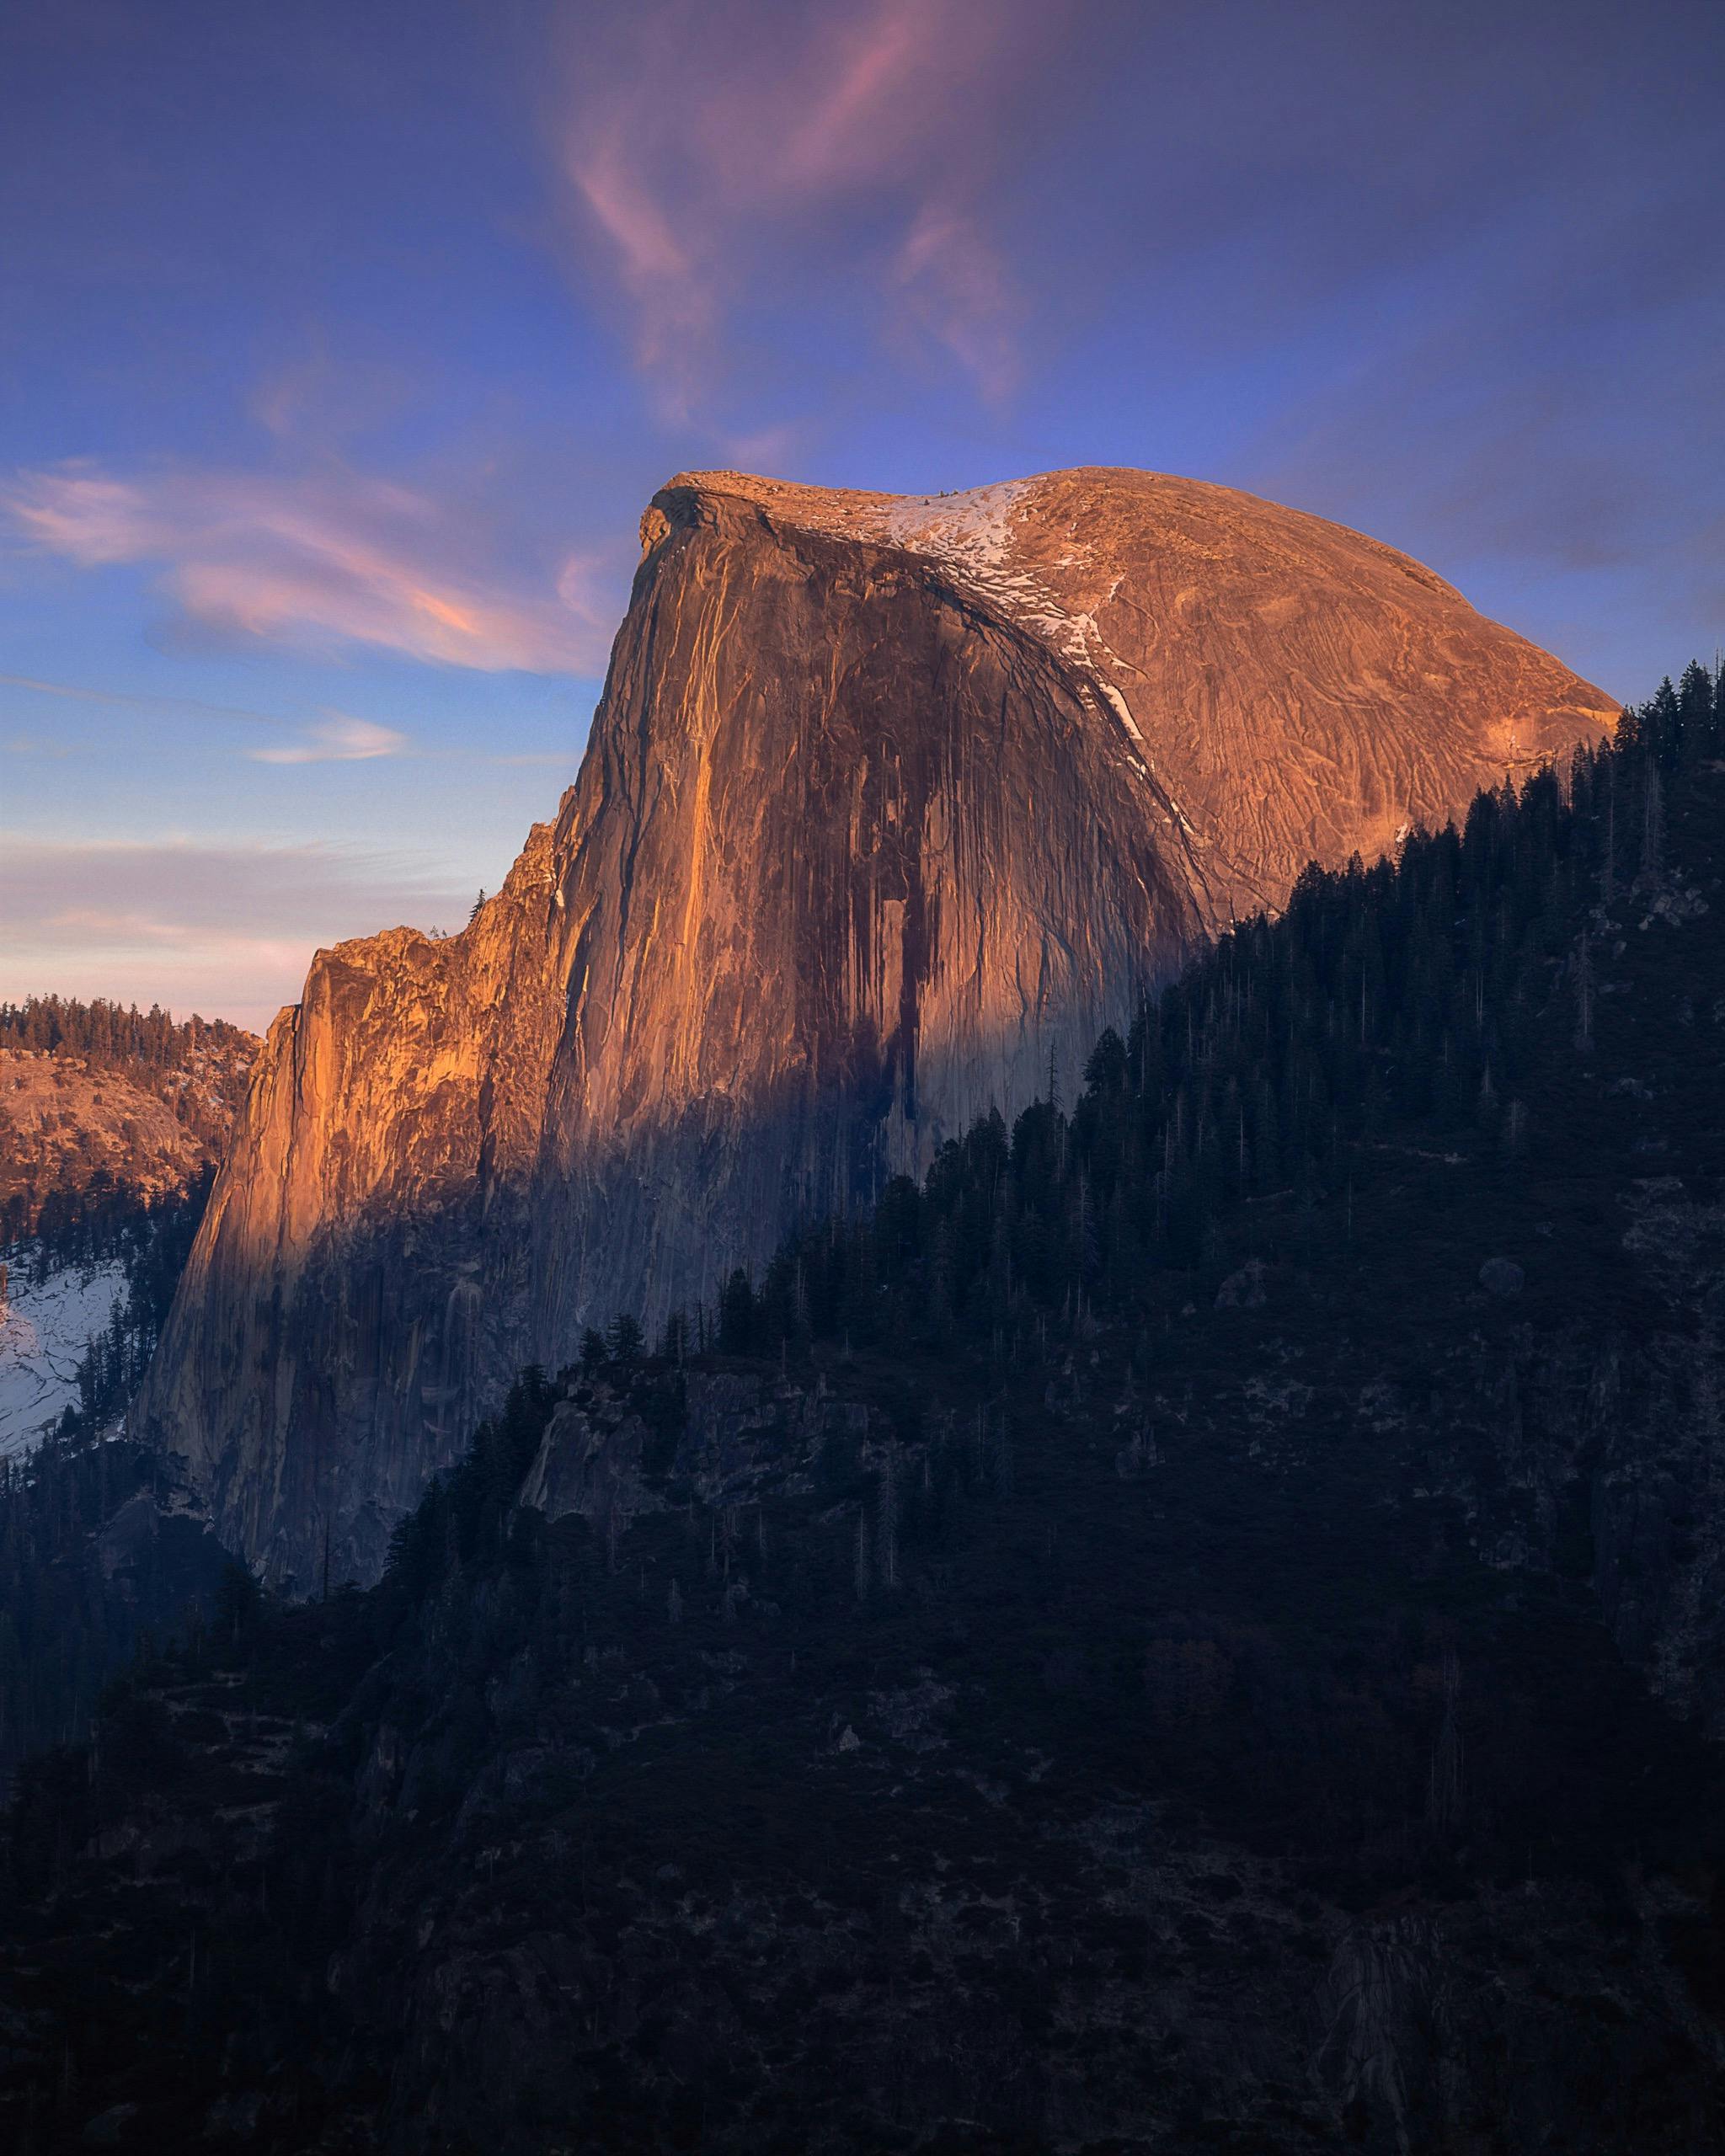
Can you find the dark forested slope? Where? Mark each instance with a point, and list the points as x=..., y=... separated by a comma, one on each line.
x=111, y=1122
x=1195, y=1628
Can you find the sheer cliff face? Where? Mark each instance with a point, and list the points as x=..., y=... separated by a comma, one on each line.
x=889, y=803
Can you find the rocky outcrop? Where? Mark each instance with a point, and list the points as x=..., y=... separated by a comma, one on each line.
x=890, y=805
x=78, y=1133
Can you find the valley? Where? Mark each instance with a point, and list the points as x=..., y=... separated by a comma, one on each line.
x=1192, y=1625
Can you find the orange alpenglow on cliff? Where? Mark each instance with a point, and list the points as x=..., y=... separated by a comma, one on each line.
x=890, y=802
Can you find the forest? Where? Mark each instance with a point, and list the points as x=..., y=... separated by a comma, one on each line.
x=1257, y=1100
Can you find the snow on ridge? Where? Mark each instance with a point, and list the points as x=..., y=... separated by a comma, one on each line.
x=44, y=1334
x=972, y=530
x=971, y=535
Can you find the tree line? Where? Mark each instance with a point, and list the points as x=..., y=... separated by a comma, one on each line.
x=112, y=1032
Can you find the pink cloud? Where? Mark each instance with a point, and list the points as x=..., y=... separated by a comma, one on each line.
x=88, y=519
x=736, y=142
x=673, y=306
x=866, y=84
x=337, y=737
x=334, y=559
x=651, y=252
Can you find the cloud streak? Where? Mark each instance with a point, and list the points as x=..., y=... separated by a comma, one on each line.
x=134, y=700
x=329, y=560
x=336, y=738
x=720, y=151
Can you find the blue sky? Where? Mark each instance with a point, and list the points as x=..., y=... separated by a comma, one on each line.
x=340, y=348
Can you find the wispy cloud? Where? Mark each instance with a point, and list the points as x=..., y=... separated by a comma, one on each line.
x=135, y=699
x=126, y=929
x=329, y=559
x=335, y=739
x=334, y=736
x=717, y=147
x=227, y=930
x=957, y=290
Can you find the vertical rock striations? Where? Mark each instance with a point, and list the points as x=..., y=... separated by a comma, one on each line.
x=890, y=805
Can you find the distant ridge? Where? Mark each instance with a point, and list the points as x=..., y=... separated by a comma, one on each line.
x=99, y=1100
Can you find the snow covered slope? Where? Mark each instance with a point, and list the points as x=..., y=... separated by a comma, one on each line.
x=43, y=1337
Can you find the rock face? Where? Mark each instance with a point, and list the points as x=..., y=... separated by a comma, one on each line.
x=890, y=804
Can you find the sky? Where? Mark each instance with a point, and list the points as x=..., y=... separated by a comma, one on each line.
x=342, y=347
